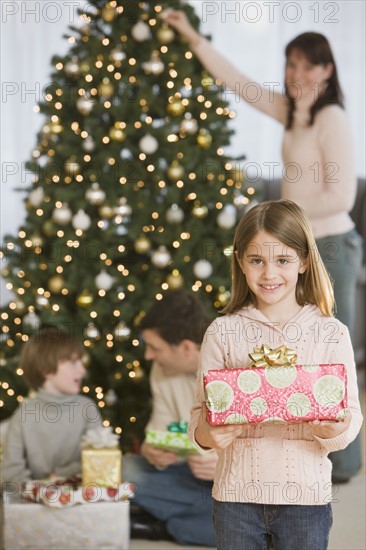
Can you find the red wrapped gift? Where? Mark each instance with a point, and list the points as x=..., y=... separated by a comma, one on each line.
x=271, y=391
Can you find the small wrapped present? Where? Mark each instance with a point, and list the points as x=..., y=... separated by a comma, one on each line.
x=174, y=439
x=101, y=458
x=273, y=388
x=62, y=493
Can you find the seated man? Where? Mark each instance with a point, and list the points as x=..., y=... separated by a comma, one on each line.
x=175, y=491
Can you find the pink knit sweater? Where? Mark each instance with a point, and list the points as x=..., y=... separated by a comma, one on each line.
x=277, y=463
x=318, y=173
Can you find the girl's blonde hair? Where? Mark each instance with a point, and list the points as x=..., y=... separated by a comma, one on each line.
x=286, y=221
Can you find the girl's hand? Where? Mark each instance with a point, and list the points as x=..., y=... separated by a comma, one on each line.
x=179, y=21
x=215, y=437
x=328, y=430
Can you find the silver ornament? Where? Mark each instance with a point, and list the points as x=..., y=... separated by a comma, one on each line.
x=95, y=195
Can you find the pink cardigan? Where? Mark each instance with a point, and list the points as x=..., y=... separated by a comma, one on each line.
x=277, y=463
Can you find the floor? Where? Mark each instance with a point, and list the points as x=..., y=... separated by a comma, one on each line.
x=348, y=533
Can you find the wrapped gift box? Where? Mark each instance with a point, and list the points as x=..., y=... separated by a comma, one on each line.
x=291, y=393
x=101, y=466
x=38, y=527
x=68, y=492
x=176, y=442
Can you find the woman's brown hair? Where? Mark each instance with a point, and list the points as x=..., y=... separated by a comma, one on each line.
x=316, y=49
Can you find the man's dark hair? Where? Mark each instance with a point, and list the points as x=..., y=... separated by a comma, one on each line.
x=178, y=316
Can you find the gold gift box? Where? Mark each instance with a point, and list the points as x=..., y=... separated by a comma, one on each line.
x=101, y=466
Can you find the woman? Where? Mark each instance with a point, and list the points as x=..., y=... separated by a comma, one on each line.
x=318, y=173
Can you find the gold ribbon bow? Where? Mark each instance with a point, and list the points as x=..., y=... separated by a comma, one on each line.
x=267, y=357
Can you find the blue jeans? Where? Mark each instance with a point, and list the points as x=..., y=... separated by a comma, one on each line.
x=342, y=257
x=174, y=496
x=243, y=526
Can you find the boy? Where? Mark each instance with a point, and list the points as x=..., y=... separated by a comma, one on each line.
x=44, y=434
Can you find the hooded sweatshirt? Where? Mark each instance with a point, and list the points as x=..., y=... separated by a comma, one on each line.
x=44, y=436
x=277, y=463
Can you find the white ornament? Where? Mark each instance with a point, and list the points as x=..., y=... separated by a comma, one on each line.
x=202, y=269
x=62, y=215
x=227, y=218
x=85, y=105
x=110, y=397
x=91, y=331
x=154, y=65
x=148, y=144
x=36, y=196
x=174, y=214
x=104, y=281
x=189, y=125
x=32, y=320
x=95, y=195
x=140, y=31
x=117, y=54
x=122, y=332
x=88, y=144
x=161, y=257
x=124, y=209
x=72, y=67
x=81, y=220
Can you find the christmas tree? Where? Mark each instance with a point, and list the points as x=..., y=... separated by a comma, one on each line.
x=132, y=195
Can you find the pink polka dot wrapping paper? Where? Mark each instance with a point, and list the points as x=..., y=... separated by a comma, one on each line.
x=293, y=393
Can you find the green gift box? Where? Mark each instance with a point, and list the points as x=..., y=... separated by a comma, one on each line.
x=174, y=439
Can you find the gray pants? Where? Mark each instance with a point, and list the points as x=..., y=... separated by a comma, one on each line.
x=342, y=256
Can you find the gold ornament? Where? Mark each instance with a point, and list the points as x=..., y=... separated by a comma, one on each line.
x=175, y=171
x=199, y=211
x=56, y=128
x=84, y=67
x=204, y=139
x=36, y=240
x=106, y=212
x=165, y=34
x=223, y=297
x=84, y=299
x=56, y=284
x=208, y=82
x=106, y=88
x=142, y=245
x=116, y=133
x=175, y=107
x=49, y=229
x=19, y=305
x=175, y=281
x=139, y=373
x=72, y=168
x=108, y=13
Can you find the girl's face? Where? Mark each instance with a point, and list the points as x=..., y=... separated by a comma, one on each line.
x=303, y=79
x=68, y=377
x=271, y=270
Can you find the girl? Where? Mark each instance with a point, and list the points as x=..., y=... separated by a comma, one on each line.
x=319, y=172
x=273, y=481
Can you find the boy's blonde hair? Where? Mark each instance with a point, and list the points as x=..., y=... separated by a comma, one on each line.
x=286, y=221
x=41, y=354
